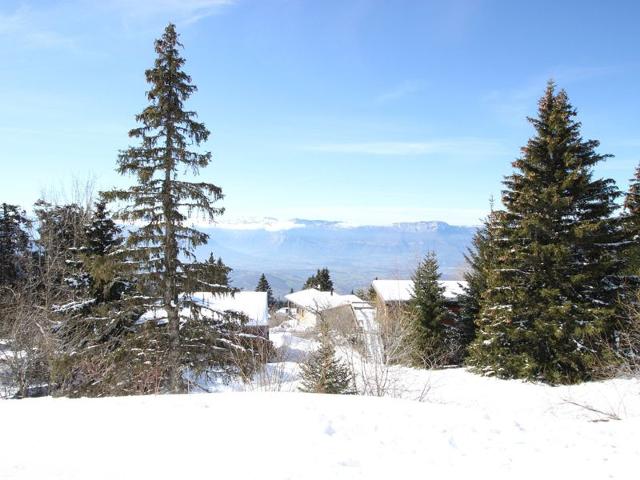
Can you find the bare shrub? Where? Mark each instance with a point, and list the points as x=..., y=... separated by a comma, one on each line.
x=379, y=355
x=28, y=343
x=622, y=358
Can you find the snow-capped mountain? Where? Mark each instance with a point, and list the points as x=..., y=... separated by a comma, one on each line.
x=289, y=251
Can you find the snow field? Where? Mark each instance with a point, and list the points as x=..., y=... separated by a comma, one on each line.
x=467, y=427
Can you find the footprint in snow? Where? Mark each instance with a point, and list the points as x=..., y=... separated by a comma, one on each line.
x=328, y=430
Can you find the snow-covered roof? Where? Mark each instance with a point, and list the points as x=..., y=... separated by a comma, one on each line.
x=317, y=301
x=453, y=288
x=393, y=290
x=402, y=290
x=251, y=304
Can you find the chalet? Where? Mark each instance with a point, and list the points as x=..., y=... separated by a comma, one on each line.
x=345, y=312
x=253, y=305
x=309, y=305
x=397, y=293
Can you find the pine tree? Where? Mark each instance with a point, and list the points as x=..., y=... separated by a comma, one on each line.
x=162, y=202
x=212, y=275
x=102, y=234
x=61, y=235
x=322, y=372
x=320, y=281
x=550, y=304
x=263, y=286
x=428, y=303
x=479, y=257
x=631, y=220
x=15, y=244
x=632, y=199
x=101, y=254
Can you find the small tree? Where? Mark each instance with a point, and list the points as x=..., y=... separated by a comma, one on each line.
x=263, y=286
x=211, y=276
x=430, y=311
x=100, y=256
x=320, y=281
x=322, y=372
x=479, y=257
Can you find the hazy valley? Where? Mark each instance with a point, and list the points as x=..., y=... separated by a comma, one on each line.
x=355, y=255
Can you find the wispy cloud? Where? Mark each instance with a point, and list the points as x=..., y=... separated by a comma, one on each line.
x=360, y=215
x=23, y=26
x=519, y=101
x=462, y=146
x=402, y=90
x=181, y=11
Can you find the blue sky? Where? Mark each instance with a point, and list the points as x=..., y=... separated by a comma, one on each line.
x=363, y=111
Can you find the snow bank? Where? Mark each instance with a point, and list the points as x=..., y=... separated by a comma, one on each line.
x=469, y=427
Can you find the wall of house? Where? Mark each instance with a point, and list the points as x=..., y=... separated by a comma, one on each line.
x=340, y=318
x=306, y=318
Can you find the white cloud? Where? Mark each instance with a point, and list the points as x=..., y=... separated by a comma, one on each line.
x=23, y=26
x=462, y=146
x=404, y=89
x=269, y=224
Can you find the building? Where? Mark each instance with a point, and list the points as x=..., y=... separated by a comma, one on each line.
x=253, y=305
x=310, y=305
x=346, y=313
x=398, y=292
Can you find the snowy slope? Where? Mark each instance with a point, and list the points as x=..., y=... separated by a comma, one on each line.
x=469, y=427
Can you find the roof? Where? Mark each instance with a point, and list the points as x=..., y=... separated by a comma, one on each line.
x=402, y=290
x=317, y=301
x=453, y=288
x=393, y=290
x=251, y=304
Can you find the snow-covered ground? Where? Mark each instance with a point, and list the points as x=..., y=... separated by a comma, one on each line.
x=467, y=426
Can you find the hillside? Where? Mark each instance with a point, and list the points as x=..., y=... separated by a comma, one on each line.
x=469, y=427
x=288, y=252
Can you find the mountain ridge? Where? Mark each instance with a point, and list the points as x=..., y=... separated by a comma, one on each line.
x=354, y=254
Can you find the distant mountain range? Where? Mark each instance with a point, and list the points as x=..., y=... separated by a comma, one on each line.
x=288, y=252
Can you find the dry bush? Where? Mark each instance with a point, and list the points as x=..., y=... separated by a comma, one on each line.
x=271, y=375
x=376, y=357
x=28, y=343
x=622, y=359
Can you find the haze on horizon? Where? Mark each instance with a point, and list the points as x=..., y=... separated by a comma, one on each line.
x=362, y=111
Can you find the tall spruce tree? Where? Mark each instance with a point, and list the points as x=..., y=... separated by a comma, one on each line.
x=550, y=303
x=263, y=286
x=162, y=201
x=428, y=303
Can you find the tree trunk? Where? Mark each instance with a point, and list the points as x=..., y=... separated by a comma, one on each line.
x=170, y=289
